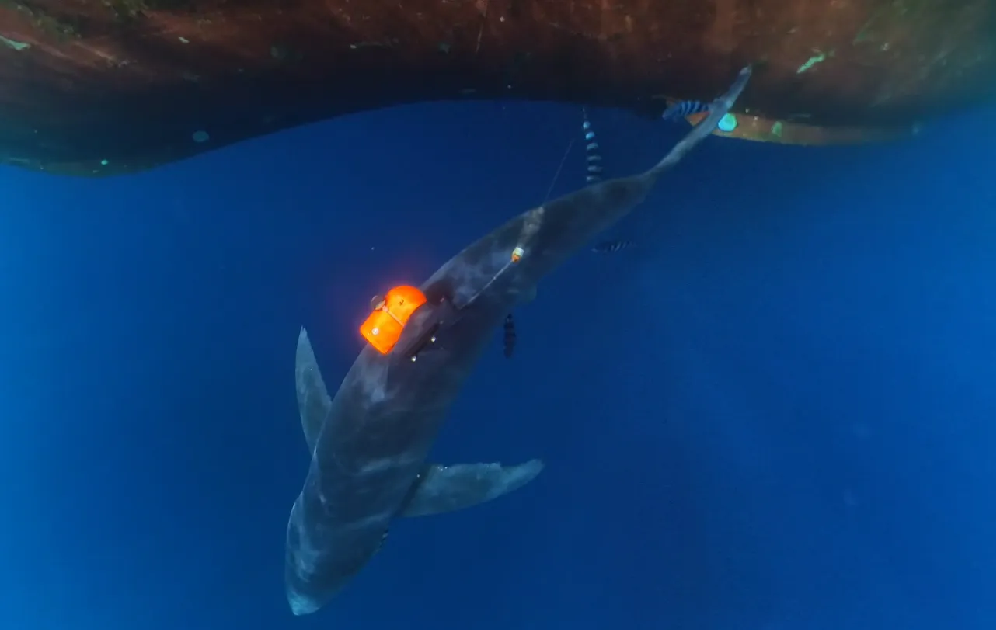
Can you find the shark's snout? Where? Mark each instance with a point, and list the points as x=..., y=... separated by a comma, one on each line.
x=301, y=604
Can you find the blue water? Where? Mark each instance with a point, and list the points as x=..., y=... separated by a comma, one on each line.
x=776, y=412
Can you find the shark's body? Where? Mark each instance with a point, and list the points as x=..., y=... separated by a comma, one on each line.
x=370, y=442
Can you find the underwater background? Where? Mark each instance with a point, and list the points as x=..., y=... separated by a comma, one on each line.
x=775, y=411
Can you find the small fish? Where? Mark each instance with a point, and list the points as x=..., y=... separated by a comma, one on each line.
x=383, y=539
x=611, y=247
x=593, y=155
x=508, y=336
x=594, y=176
x=684, y=108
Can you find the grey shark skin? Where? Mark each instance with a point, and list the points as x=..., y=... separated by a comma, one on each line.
x=370, y=442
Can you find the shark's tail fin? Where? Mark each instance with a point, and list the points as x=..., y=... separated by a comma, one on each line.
x=717, y=109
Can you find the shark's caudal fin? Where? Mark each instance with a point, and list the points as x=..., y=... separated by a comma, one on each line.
x=313, y=400
x=447, y=488
x=717, y=109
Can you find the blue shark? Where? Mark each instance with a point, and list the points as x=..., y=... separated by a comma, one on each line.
x=370, y=443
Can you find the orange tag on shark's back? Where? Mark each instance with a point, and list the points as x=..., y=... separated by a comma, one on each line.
x=383, y=327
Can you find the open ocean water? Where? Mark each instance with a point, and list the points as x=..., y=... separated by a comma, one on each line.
x=776, y=411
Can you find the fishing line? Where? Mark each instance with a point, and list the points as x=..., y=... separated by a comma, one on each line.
x=556, y=175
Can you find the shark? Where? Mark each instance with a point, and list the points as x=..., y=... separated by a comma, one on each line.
x=370, y=442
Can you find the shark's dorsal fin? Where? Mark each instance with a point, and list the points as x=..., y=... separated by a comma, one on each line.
x=447, y=488
x=313, y=400
x=717, y=109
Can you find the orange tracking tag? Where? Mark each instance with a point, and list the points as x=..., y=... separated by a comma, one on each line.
x=383, y=327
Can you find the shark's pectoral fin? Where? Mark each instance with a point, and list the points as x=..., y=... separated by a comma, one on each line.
x=313, y=400
x=448, y=488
